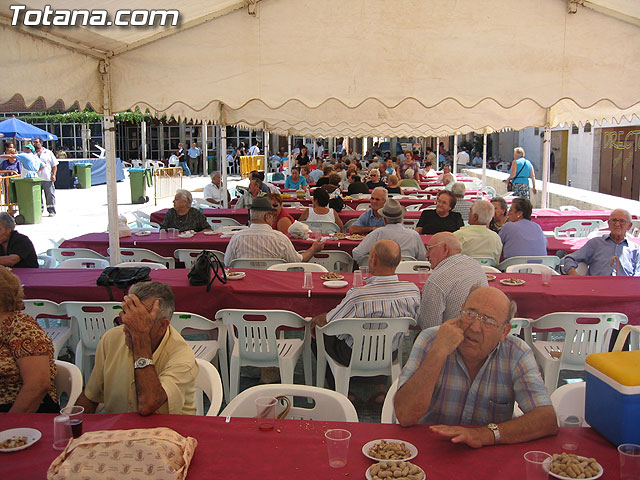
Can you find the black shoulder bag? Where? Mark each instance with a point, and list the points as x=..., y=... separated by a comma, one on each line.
x=122, y=277
x=510, y=182
x=206, y=269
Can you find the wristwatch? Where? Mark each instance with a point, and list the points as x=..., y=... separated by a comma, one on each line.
x=142, y=362
x=496, y=432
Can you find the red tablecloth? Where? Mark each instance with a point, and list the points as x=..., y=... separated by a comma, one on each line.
x=296, y=449
x=549, y=219
x=282, y=290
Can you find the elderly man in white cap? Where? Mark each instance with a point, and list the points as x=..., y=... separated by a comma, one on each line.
x=409, y=240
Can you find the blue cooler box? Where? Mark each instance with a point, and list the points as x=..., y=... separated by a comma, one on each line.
x=612, y=399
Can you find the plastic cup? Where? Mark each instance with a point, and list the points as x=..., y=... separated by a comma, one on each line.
x=162, y=235
x=536, y=469
x=570, y=436
x=61, y=432
x=75, y=419
x=308, y=281
x=357, y=278
x=546, y=278
x=629, y=454
x=337, y=446
x=365, y=271
x=173, y=233
x=266, y=412
x=423, y=273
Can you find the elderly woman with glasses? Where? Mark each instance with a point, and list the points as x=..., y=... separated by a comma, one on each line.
x=520, y=236
x=283, y=219
x=183, y=216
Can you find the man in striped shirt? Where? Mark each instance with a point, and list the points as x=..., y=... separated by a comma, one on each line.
x=383, y=296
x=470, y=371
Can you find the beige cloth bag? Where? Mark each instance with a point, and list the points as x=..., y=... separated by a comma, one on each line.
x=158, y=453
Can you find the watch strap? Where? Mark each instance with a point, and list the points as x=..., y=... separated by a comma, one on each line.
x=496, y=432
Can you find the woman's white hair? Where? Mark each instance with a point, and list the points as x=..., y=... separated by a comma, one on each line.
x=185, y=194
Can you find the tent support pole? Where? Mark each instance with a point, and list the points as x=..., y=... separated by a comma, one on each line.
x=484, y=161
x=455, y=154
x=437, y=154
x=109, y=132
x=223, y=163
x=143, y=139
x=205, y=149
x=546, y=161
x=289, y=159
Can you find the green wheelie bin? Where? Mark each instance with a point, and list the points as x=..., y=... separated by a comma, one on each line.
x=83, y=172
x=27, y=193
x=139, y=179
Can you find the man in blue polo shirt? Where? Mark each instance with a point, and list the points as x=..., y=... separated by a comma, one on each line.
x=371, y=219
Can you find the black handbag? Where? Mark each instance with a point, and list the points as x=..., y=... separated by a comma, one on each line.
x=122, y=277
x=510, y=182
x=206, y=268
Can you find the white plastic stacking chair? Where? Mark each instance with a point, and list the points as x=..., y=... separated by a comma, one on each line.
x=328, y=406
x=549, y=260
x=255, y=263
x=489, y=269
x=569, y=399
x=62, y=254
x=323, y=227
x=333, y=260
x=348, y=223
x=581, y=339
x=143, y=220
x=388, y=414
x=218, y=222
x=413, y=266
x=489, y=261
x=68, y=382
x=46, y=309
x=568, y=208
x=415, y=207
x=297, y=267
x=491, y=191
x=411, y=223
x=578, y=228
x=519, y=324
x=363, y=206
x=256, y=343
x=84, y=263
x=46, y=261
x=530, y=268
x=173, y=161
x=213, y=350
x=93, y=320
x=372, y=349
x=208, y=383
x=151, y=265
x=144, y=255
x=188, y=255
x=634, y=342
x=405, y=258
x=202, y=202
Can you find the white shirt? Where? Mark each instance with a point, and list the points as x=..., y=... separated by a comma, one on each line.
x=50, y=161
x=213, y=191
x=254, y=150
x=409, y=241
x=316, y=217
x=261, y=241
x=463, y=158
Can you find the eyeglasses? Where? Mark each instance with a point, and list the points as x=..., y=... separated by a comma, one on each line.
x=621, y=221
x=429, y=247
x=471, y=316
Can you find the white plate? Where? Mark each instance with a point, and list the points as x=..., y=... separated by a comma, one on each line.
x=368, y=475
x=506, y=281
x=547, y=465
x=32, y=435
x=236, y=275
x=185, y=235
x=335, y=283
x=490, y=277
x=209, y=232
x=355, y=238
x=338, y=277
x=367, y=446
x=143, y=233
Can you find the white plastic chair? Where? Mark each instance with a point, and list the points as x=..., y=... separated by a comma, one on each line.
x=489, y=269
x=568, y=208
x=255, y=263
x=189, y=255
x=329, y=406
x=323, y=227
x=137, y=163
x=415, y=207
x=197, y=202
x=388, y=414
x=151, y=265
x=208, y=383
x=569, y=399
x=363, y=206
x=62, y=254
x=549, y=260
x=46, y=261
x=491, y=191
x=333, y=260
x=128, y=255
x=577, y=228
x=78, y=262
x=143, y=220
x=411, y=223
x=348, y=223
x=217, y=222
x=255, y=343
x=413, y=266
x=209, y=349
x=489, y=261
x=68, y=382
x=93, y=320
x=372, y=352
x=297, y=267
x=519, y=324
x=634, y=342
x=581, y=339
x=405, y=258
x=41, y=308
x=173, y=161
x=530, y=268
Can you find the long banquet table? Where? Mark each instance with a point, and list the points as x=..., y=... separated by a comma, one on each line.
x=296, y=448
x=354, y=202
x=262, y=289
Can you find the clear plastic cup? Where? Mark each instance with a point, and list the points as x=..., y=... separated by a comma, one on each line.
x=337, y=446
x=365, y=271
x=307, y=284
x=629, y=454
x=75, y=415
x=173, y=233
x=423, y=273
x=61, y=432
x=162, y=235
x=546, y=278
x=570, y=435
x=357, y=278
x=535, y=465
x=266, y=412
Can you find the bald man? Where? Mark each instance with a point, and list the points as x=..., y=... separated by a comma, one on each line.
x=469, y=371
x=453, y=277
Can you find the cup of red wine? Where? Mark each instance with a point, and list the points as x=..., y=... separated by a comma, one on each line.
x=75, y=419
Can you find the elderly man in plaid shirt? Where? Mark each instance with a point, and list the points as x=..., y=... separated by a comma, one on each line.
x=470, y=371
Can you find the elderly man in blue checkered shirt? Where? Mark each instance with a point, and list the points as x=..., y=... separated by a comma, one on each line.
x=469, y=371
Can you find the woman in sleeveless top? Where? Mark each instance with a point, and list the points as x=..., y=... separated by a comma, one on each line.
x=320, y=212
x=521, y=171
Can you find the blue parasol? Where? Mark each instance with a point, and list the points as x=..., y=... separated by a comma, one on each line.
x=14, y=128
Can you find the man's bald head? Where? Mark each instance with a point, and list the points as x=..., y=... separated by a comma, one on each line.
x=450, y=240
x=497, y=298
x=384, y=257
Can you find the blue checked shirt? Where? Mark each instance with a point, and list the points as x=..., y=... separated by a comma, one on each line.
x=509, y=374
x=598, y=252
x=381, y=297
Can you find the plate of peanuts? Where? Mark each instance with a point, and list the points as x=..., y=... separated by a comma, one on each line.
x=394, y=471
x=389, y=449
x=566, y=466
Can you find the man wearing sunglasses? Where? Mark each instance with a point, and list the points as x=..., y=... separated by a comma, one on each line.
x=470, y=371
